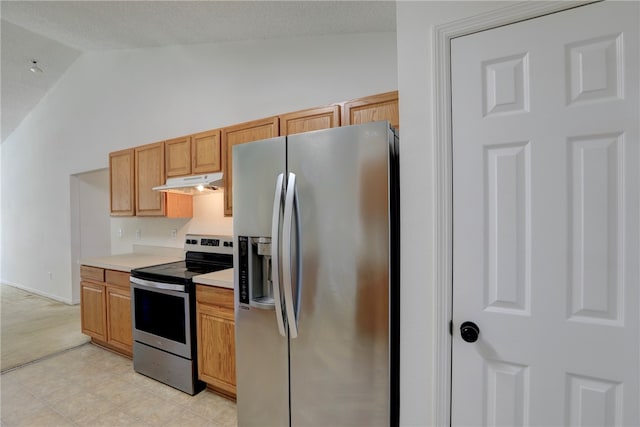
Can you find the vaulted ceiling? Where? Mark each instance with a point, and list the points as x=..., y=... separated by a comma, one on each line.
x=55, y=33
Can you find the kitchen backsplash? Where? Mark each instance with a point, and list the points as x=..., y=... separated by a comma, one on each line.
x=208, y=218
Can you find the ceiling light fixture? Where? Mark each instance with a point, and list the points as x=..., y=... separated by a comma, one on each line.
x=34, y=67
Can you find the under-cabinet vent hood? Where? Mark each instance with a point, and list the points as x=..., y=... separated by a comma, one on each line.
x=196, y=184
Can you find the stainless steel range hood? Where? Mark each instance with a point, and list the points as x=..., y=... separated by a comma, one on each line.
x=196, y=184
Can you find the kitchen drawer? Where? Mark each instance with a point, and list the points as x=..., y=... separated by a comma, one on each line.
x=214, y=296
x=120, y=278
x=92, y=273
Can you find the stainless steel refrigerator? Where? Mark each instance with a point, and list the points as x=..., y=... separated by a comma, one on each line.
x=316, y=235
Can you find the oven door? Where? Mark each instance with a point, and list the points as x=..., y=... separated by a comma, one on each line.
x=161, y=316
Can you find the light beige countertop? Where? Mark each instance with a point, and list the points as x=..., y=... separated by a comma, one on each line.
x=221, y=279
x=127, y=262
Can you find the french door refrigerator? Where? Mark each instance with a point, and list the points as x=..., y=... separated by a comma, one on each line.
x=316, y=235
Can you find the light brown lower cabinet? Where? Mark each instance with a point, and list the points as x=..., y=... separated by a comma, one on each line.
x=92, y=307
x=105, y=307
x=215, y=326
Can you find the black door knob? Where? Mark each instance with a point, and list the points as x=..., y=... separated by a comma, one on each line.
x=469, y=331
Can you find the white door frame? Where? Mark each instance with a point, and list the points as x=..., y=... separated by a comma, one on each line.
x=443, y=170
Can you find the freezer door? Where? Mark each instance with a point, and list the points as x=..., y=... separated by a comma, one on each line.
x=340, y=372
x=259, y=165
x=261, y=351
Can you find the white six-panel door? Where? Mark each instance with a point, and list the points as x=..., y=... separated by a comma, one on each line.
x=546, y=220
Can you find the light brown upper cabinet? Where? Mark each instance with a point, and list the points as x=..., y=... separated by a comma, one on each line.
x=193, y=154
x=150, y=172
x=205, y=152
x=309, y=120
x=240, y=134
x=373, y=108
x=134, y=172
x=178, y=156
x=121, y=182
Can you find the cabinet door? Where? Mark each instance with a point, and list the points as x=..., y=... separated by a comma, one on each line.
x=205, y=152
x=149, y=174
x=240, y=134
x=93, y=310
x=309, y=120
x=178, y=156
x=372, y=109
x=216, y=347
x=121, y=182
x=119, y=332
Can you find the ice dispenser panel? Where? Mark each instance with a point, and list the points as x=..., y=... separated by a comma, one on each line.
x=256, y=286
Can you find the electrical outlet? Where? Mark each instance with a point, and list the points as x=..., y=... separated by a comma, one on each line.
x=120, y=233
x=174, y=234
x=138, y=234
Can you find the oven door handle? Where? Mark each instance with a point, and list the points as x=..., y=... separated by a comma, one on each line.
x=157, y=285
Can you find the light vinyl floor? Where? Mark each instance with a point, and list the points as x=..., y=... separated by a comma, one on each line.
x=90, y=386
x=60, y=380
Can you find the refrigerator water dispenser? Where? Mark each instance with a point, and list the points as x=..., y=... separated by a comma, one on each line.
x=256, y=285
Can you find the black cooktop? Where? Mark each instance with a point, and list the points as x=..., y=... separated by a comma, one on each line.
x=182, y=272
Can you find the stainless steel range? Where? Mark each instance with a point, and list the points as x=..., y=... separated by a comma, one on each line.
x=163, y=312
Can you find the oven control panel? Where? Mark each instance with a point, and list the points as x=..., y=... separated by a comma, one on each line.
x=208, y=243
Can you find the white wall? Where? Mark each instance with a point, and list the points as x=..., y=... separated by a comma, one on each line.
x=208, y=218
x=415, y=24
x=117, y=99
x=89, y=220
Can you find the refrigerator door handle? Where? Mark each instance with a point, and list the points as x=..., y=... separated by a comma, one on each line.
x=291, y=205
x=275, y=253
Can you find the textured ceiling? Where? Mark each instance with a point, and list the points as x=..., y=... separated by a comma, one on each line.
x=57, y=32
